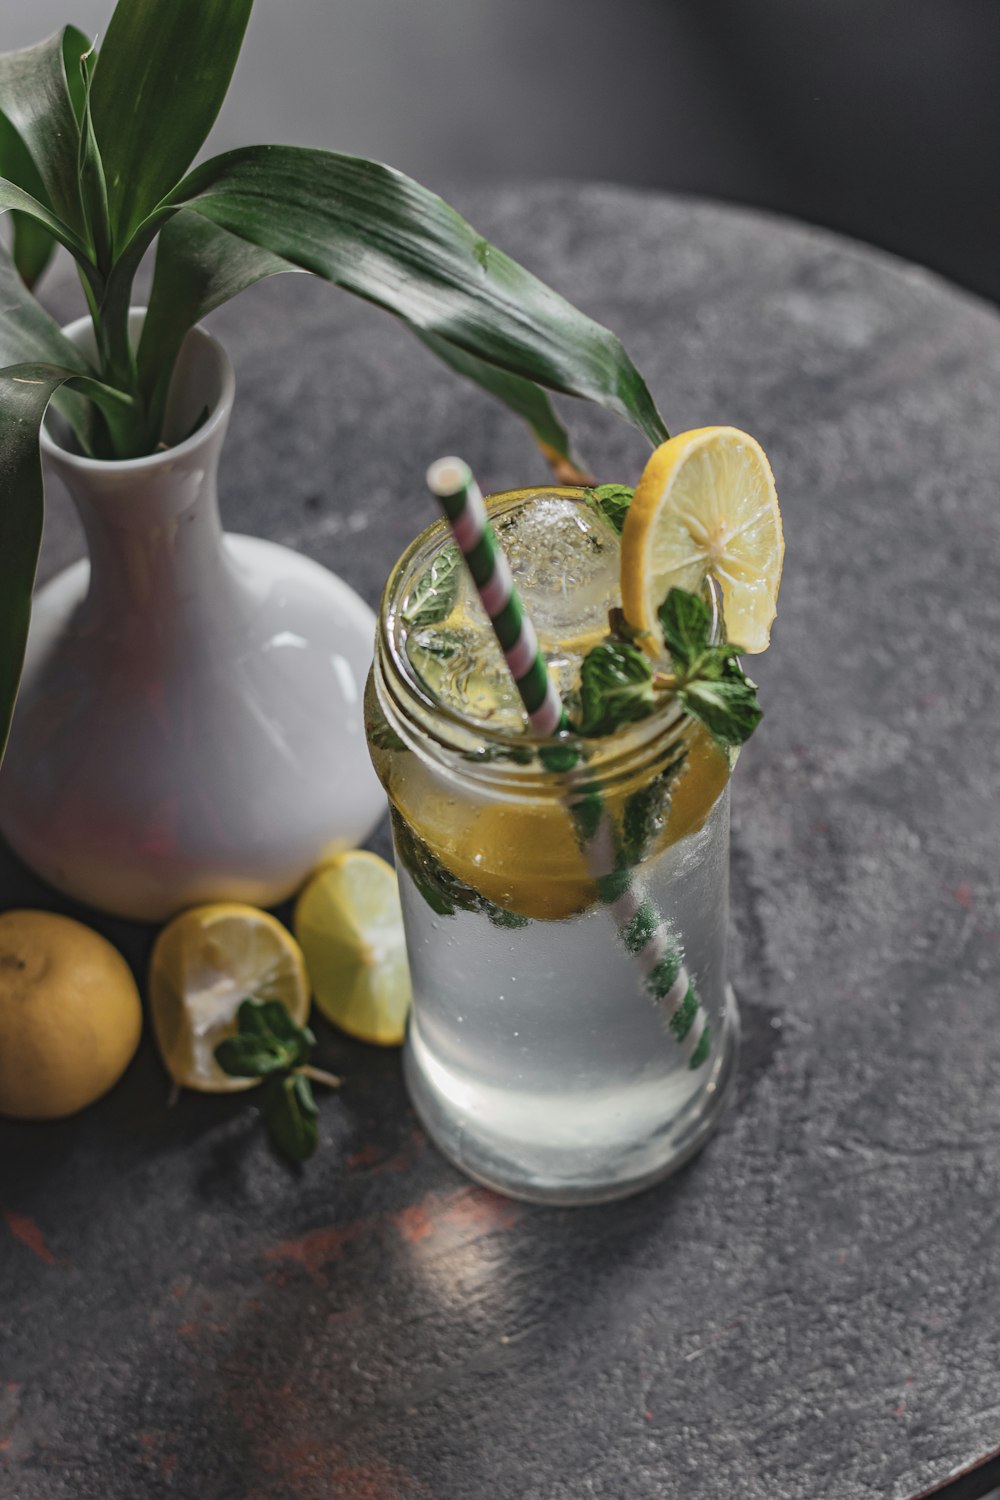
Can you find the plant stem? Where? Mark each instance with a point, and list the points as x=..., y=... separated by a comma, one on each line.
x=320, y=1075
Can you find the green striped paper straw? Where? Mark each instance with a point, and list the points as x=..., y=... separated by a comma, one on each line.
x=450, y=479
x=641, y=927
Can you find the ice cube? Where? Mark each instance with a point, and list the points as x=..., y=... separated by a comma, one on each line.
x=565, y=557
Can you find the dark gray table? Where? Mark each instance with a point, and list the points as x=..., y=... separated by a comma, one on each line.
x=810, y=1309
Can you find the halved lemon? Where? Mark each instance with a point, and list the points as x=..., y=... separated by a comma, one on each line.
x=350, y=925
x=204, y=963
x=706, y=504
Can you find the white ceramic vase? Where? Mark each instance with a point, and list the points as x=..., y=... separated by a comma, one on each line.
x=189, y=726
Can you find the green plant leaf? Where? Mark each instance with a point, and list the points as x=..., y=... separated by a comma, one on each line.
x=33, y=248
x=616, y=687
x=382, y=236
x=267, y=1041
x=28, y=333
x=161, y=77
x=36, y=99
x=444, y=892
x=613, y=501
x=248, y=1057
x=26, y=330
x=14, y=197
x=686, y=621
x=522, y=396
x=32, y=244
x=727, y=707
x=645, y=813
x=93, y=187
x=198, y=267
x=25, y=392
x=433, y=597
x=291, y=1115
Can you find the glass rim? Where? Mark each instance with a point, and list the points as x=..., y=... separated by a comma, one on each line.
x=657, y=730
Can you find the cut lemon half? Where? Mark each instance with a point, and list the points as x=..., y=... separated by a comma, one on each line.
x=350, y=925
x=204, y=964
x=706, y=504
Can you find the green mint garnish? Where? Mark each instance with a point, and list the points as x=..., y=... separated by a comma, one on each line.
x=617, y=684
x=728, y=707
x=434, y=595
x=291, y=1115
x=709, y=680
x=613, y=501
x=644, y=815
x=616, y=687
x=270, y=1045
x=686, y=622
x=444, y=893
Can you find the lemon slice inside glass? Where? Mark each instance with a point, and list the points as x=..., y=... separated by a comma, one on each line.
x=350, y=925
x=204, y=963
x=706, y=504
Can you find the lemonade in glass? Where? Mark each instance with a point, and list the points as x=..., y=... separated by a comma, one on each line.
x=573, y=1035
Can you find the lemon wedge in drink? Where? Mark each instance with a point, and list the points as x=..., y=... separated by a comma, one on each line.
x=350, y=925
x=204, y=964
x=705, y=505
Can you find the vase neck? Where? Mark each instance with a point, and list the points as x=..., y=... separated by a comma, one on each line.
x=153, y=534
x=152, y=524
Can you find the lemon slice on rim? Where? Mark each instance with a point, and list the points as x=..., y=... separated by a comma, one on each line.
x=204, y=963
x=706, y=504
x=349, y=922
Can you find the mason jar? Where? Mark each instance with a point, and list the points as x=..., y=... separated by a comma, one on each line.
x=573, y=1036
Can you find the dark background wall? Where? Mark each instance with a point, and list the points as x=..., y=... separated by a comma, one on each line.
x=880, y=118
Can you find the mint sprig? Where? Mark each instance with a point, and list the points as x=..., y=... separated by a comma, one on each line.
x=708, y=679
x=613, y=501
x=270, y=1045
x=616, y=687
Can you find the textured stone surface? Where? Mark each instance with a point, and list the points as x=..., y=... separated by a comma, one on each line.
x=810, y=1308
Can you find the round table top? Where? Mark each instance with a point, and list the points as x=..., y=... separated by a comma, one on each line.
x=803, y=1311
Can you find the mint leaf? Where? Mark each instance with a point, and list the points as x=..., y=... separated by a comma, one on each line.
x=718, y=661
x=613, y=501
x=248, y=1057
x=686, y=622
x=727, y=707
x=435, y=592
x=271, y=1045
x=710, y=682
x=644, y=816
x=616, y=687
x=291, y=1116
x=444, y=893
x=266, y=1041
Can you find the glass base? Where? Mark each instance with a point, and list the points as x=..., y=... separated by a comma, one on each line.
x=570, y=1171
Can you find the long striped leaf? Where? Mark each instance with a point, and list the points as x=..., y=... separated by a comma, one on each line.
x=162, y=73
x=36, y=99
x=382, y=236
x=200, y=265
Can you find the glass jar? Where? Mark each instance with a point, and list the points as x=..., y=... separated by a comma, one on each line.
x=573, y=1035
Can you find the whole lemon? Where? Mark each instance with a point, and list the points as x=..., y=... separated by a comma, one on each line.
x=70, y=1015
